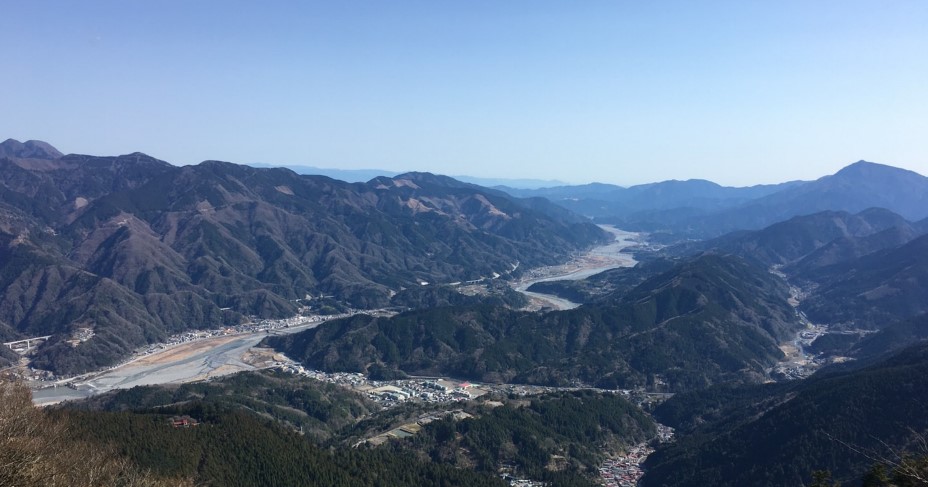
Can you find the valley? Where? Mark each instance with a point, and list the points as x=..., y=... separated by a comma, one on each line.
x=609, y=256
x=189, y=357
x=419, y=315
x=799, y=359
x=203, y=355
x=464, y=244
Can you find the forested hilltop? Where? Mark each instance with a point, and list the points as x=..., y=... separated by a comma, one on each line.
x=135, y=249
x=276, y=428
x=844, y=422
x=707, y=319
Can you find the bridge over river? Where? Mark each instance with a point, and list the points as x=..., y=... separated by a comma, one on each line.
x=26, y=344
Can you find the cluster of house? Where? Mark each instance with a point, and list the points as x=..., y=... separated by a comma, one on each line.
x=427, y=391
x=182, y=421
x=391, y=393
x=625, y=470
x=517, y=482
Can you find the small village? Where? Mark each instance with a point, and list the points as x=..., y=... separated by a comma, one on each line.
x=622, y=471
x=442, y=390
x=252, y=327
x=625, y=470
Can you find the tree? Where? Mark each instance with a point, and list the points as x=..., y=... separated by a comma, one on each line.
x=822, y=478
x=37, y=451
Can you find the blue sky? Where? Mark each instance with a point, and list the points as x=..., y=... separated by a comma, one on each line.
x=739, y=92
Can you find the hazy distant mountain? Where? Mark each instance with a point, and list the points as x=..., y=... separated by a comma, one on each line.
x=855, y=188
x=677, y=210
x=609, y=202
x=665, y=194
x=364, y=175
x=709, y=319
x=137, y=248
x=31, y=149
x=347, y=175
x=525, y=183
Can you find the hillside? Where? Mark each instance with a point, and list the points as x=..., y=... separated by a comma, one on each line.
x=778, y=435
x=524, y=434
x=709, y=319
x=30, y=149
x=232, y=447
x=318, y=409
x=856, y=271
x=874, y=290
x=136, y=249
x=824, y=237
x=844, y=249
x=861, y=270
x=39, y=450
x=891, y=338
x=527, y=435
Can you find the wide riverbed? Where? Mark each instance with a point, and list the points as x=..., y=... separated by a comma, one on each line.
x=186, y=362
x=610, y=256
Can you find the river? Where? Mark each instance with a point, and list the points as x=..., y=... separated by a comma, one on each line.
x=610, y=256
x=186, y=362
x=222, y=355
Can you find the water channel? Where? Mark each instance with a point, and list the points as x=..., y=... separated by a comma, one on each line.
x=610, y=256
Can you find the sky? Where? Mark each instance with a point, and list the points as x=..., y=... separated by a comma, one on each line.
x=739, y=92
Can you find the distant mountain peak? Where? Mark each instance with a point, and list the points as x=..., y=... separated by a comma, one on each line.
x=30, y=149
x=864, y=168
x=431, y=179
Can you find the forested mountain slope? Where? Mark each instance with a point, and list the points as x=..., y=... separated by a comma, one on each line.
x=708, y=319
x=136, y=248
x=777, y=435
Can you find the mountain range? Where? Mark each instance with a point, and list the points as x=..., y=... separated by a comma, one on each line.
x=134, y=248
x=860, y=271
x=678, y=210
x=107, y=254
x=364, y=175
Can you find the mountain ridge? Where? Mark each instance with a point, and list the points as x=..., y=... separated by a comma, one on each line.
x=134, y=246
x=678, y=210
x=778, y=434
x=30, y=149
x=711, y=318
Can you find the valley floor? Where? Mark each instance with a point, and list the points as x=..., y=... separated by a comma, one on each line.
x=610, y=256
x=188, y=357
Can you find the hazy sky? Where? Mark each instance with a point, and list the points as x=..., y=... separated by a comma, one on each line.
x=738, y=92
